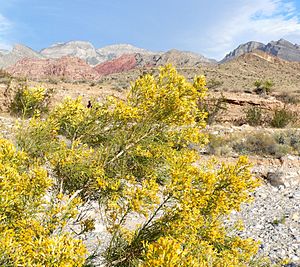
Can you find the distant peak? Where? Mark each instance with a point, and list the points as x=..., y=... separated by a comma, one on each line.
x=79, y=42
x=282, y=42
x=73, y=43
x=20, y=46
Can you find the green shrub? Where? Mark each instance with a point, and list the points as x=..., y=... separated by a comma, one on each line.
x=261, y=144
x=289, y=138
x=254, y=116
x=219, y=145
x=37, y=137
x=263, y=87
x=213, y=84
x=28, y=101
x=282, y=117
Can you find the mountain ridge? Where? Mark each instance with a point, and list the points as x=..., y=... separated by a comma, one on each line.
x=282, y=49
x=24, y=61
x=83, y=50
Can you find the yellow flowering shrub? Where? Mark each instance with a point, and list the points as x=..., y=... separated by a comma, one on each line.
x=28, y=101
x=37, y=136
x=31, y=228
x=136, y=157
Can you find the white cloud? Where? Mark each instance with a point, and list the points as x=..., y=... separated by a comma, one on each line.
x=243, y=20
x=5, y=27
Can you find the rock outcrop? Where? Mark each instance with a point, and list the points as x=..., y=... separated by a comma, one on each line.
x=183, y=59
x=242, y=49
x=114, y=51
x=68, y=68
x=80, y=49
x=282, y=49
x=89, y=53
x=121, y=64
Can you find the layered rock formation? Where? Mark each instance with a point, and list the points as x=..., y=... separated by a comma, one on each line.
x=123, y=63
x=69, y=68
x=80, y=49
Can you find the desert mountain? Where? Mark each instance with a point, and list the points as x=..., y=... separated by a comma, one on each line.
x=242, y=49
x=80, y=49
x=130, y=61
x=240, y=73
x=18, y=52
x=23, y=61
x=282, y=49
x=114, y=51
x=68, y=68
x=124, y=57
x=3, y=52
x=89, y=53
x=183, y=58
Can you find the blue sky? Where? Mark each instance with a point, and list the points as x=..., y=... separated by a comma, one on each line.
x=211, y=28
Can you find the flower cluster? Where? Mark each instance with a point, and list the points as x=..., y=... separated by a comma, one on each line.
x=31, y=228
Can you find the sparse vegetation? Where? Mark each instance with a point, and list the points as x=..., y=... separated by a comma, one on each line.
x=255, y=143
x=288, y=98
x=261, y=144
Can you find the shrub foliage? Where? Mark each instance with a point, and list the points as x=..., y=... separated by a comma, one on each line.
x=30, y=100
x=282, y=117
x=31, y=228
x=263, y=87
x=254, y=116
x=134, y=157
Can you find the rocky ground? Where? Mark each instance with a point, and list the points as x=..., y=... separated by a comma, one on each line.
x=274, y=220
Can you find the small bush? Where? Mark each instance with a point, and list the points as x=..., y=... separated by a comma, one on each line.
x=290, y=138
x=214, y=107
x=288, y=98
x=30, y=100
x=261, y=144
x=214, y=83
x=263, y=87
x=254, y=116
x=282, y=117
x=218, y=145
x=37, y=137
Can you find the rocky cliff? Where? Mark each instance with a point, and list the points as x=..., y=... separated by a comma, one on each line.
x=282, y=49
